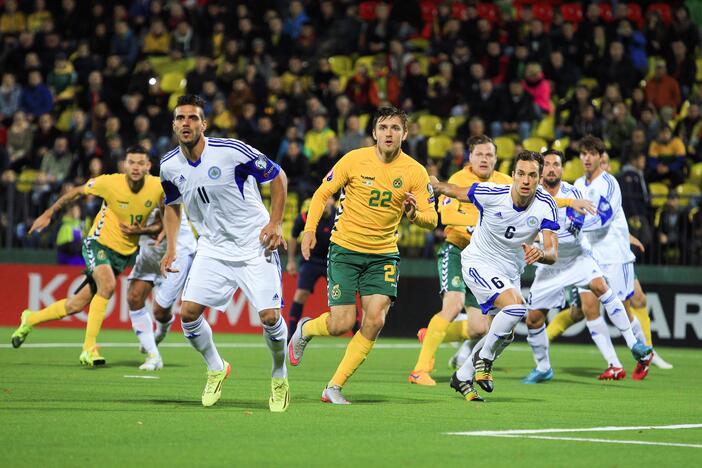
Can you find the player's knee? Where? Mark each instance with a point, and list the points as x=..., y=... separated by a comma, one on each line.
x=189, y=313
x=106, y=287
x=135, y=300
x=161, y=314
x=374, y=322
x=340, y=325
x=534, y=320
x=269, y=317
x=599, y=287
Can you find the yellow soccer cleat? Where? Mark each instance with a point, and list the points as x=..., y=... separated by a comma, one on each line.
x=280, y=395
x=421, y=378
x=92, y=358
x=213, y=388
x=23, y=330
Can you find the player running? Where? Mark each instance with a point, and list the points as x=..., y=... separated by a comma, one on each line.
x=128, y=201
x=216, y=180
x=378, y=183
x=144, y=276
x=576, y=267
x=511, y=217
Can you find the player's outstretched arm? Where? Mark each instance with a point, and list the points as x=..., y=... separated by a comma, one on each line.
x=450, y=190
x=45, y=218
x=171, y=224
x=580, y=205
x=548, y=255
x=271, y=236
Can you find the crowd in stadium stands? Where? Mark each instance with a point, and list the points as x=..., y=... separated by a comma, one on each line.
x=82, y=80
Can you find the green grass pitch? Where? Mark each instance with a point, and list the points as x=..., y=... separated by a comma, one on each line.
x=55, y=413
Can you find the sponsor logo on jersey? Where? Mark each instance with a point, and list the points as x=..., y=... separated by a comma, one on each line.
x=123, y=204
x=330, y=175
x=148, y=203
x=336, y=292
x=532, y=221
x=499, y=214
x=214, y=172
x=397, y=183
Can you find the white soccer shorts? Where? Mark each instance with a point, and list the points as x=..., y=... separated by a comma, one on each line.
x=212, y=282
x=486, y=283
x=548, y=290
x=620, y=277
x=148, y=268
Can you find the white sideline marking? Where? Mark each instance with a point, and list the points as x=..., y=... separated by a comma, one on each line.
x=528, y=434
x=219, y=345
x=141, y=377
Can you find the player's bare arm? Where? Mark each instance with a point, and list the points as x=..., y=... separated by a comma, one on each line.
x=450, y=190
x=45, y=218
x=636, y=243
x=291, y=267
x=171, y=225
x=271, y=236
x=548, y=255
x=152, y=229
x=582, y=206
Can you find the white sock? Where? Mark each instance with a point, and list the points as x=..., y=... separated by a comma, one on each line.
x=637, y=330
x=617, y=314
x=199, y=334
x=467, y=370
x=465, y=350
x=538, y=340
x=600, y=335
x=143, y=326
x=502, y=344
x=276, y=339
x=163, y=328
x=500, y=329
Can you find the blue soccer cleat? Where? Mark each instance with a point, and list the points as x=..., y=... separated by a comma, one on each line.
x=640, y=351
x=536, y=376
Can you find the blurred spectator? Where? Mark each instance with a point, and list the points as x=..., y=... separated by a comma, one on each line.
x=517, y=112
x=635, y=146
x=560, y=73
x=184, y=42
x=12, y=20
x=359, y=88
x=297, y=168
x=10, y=95
x=443, y=90
x=636, y=199
x=666, y=158
x=54, y=168
x=36, y=98
x=69, y=240
x=415, y=87
x=454, y=160
x=44, y=137
x=686, y=127
x=619, y=69
x=376, y=34
x=672, y=230
x=325, y=163
x=222, y=122
x=415, y=144
x=634, y=44
x=353, y=135
x=62, y=78
x=649, y=122
x=296, y=18
x=79, y=172
x=79, y=127
x=317, y=138
x=538, y=87
x=40, y=18
x=682, y=67
x=158, y=40
x=683, y=29
x=124, y=44
x=619, y=128
x=587, y=123
x=656, y=34
x=266, y=138
x=662, y=90
x=19, y=142
x=485, y=105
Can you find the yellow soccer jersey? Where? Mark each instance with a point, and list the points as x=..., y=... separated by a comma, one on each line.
x=372, y=197
x=461, y=217
x=121, y=205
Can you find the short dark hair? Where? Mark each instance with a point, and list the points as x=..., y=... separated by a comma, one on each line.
x=191, y=100
x=474, y=141
x=554, y=152
x=593, y=144
x=390, y=111
x=137, y=149
x=530, y=156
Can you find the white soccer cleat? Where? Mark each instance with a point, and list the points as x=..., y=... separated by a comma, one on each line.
x=153, y=363
x=298, y=343
x=660, y=363
x=333, y=395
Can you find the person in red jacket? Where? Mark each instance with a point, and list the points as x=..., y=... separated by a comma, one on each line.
x=663, y=90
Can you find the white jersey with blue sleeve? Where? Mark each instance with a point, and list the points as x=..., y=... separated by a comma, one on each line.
x=503, y=227
x=221, y=195
x=607, y=231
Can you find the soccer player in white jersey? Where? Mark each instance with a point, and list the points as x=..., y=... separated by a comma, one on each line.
x=511, y=217
x=608, y=234
x=145, y=275
x=216, y=179
x=575, y=267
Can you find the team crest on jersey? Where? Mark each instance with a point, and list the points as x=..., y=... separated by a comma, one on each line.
x=148, y=203
x=215, y=172
x=329, y=176
x=101, y=255
x=261, y=162
x=456, y=281
x=532, y=221
x=336, y=292
x=397, y=183
x=91, y=182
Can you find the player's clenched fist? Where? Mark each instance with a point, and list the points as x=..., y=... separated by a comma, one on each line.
x=532, y=254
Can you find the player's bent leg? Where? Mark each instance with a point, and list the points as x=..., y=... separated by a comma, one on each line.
x=106, y=282
x=599, y=332
x=142, y=323
x=538, y=341
x=477, y=325
x=164, y=318
x=452, y=304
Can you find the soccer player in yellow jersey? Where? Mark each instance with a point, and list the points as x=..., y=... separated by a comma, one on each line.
x=113, y=239
x=378, y=184
x=460, y=219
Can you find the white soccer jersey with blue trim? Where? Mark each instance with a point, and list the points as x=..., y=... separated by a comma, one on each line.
x=502, y=227
x=221, y=195
x=186, y=238
x=607, y=231
x=571, y=242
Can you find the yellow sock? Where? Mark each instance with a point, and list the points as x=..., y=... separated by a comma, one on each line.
x=559, y=324
x=96, y=314
x=317, y=327
x=55, y=311
x=436, y=331
x=641, y=313
x=356, y=353
x=456, y=331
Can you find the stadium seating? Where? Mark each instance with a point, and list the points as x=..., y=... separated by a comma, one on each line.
x=572, y=170
x=438, y=145
x=25, y=181
x=452, y=124
x=505, y=147
x=659, y=192
x=688, y=193
x=429, y=125
x=173, y=82
x=561, y=144
x=696, y=174
x=614, y=166
x=341, y=65
x=365, y=60
x=546, y=128
x=663, y=9
x=572, y=12
x=634, y=14
x=488, y=11
x=536, y=144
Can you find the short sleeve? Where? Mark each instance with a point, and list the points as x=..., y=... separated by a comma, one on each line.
x=171, y=192
x=262, y=169
x=486, y=194
x=97, y=186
